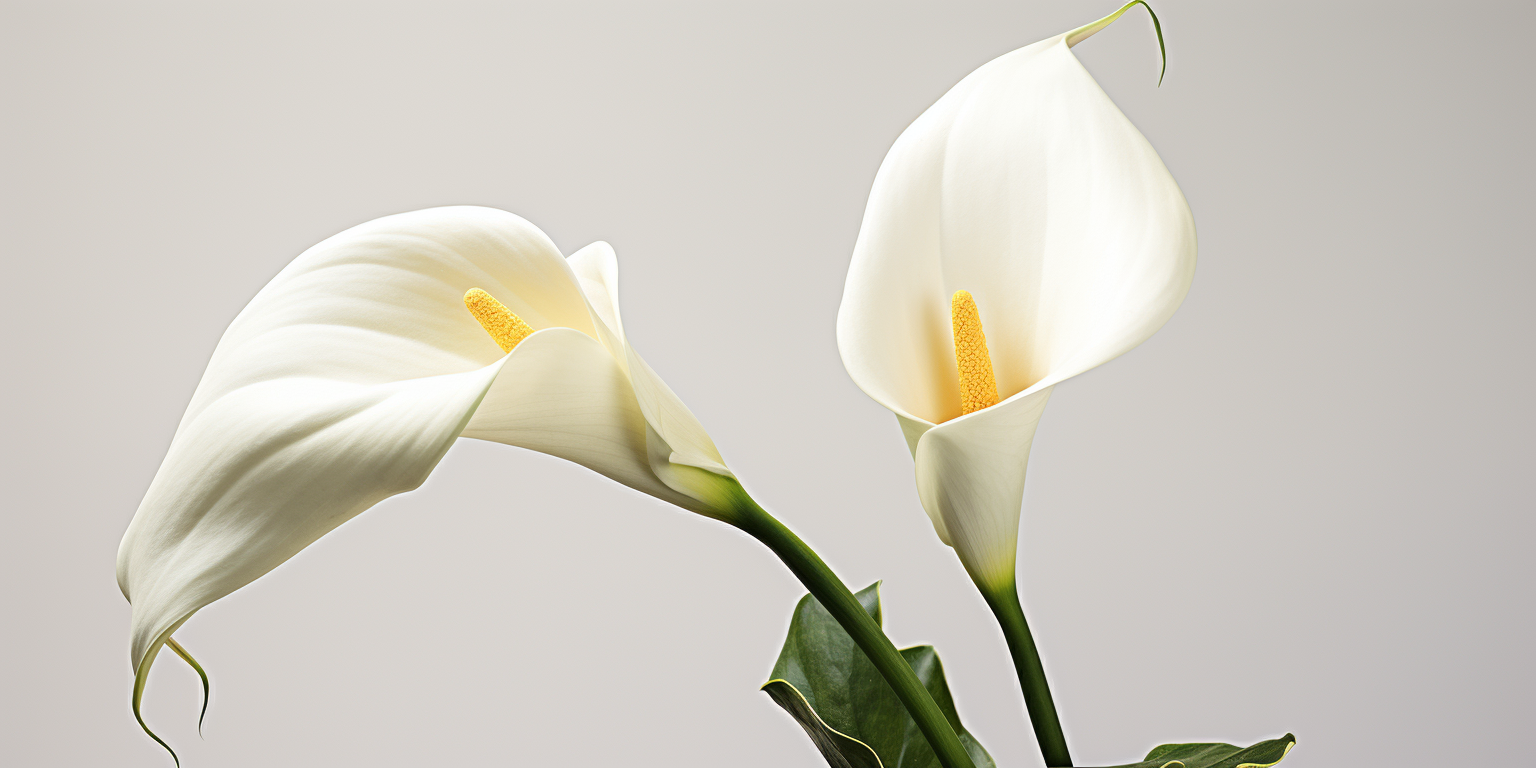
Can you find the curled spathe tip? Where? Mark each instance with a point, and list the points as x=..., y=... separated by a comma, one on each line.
x=141, y=678
x=1084, y=32
x=187, y=657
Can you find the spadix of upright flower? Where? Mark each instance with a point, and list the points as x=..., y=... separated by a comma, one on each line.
x=347, y=378
x=1022, y=202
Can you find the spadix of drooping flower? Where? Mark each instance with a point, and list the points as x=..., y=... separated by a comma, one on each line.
x=348, y=376
x=504, y=326
x=1023, y=199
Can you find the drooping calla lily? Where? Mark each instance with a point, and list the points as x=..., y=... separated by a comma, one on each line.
x=1021, y=231
x=346, y=379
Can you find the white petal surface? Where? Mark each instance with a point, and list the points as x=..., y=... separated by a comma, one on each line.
x=383, y=301
x=264, y=471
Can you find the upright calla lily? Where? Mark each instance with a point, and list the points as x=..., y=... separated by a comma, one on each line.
x=1023, y=203
x=347, y=378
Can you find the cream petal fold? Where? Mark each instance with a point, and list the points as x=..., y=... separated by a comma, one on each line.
x=561, y=393
x=970, y=478
x=1027, y=187
x=678, y=442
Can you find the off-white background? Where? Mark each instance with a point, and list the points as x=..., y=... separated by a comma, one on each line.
x=1304, y=505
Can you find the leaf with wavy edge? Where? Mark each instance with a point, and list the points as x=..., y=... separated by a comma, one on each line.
x=1260, y=755
x=832, y=690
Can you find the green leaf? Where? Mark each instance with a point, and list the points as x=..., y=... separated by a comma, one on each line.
x=826, y=683
x=1264, y=753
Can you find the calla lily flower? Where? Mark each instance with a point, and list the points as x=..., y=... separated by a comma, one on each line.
x=1021, y=231
x=347, y=378
x=1025, y=203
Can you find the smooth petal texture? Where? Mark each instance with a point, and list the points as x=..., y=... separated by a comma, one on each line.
x=1026, y=186
x=346, y=379
x=265, y=471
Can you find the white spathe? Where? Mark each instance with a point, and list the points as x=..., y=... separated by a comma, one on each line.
x=347, y=378
x=1026, y=186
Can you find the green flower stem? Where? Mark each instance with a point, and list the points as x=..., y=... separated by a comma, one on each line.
x=835, y=597
x=1026, y=661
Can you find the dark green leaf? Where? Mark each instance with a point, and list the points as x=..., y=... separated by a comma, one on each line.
x=827, y=684
x=1262, y=754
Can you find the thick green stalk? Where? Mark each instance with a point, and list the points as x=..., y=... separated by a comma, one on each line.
x=840, y=602
x=1026, y=661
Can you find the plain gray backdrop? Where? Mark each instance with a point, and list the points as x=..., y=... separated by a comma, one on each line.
x=1304, y=505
